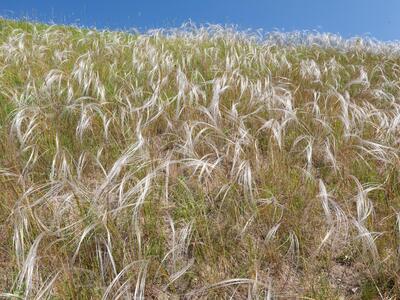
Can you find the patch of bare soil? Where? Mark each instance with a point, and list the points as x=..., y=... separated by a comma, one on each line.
x=346, y=278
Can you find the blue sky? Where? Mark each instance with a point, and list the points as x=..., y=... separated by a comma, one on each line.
x=379, y=18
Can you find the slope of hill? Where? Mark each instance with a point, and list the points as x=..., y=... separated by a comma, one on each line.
x=197, y=163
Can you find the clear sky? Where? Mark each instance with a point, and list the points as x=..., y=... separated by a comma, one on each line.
x=376, y=18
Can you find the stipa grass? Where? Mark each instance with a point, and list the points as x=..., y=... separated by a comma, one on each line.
x=197, y=163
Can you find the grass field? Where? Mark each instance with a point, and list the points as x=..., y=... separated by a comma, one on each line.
x=197, y=163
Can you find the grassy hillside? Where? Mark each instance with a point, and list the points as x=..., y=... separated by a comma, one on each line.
x=197, y=163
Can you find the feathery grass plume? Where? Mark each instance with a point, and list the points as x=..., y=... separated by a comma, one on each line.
x=364, y=210
x=26, y=275
x=336, y=220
